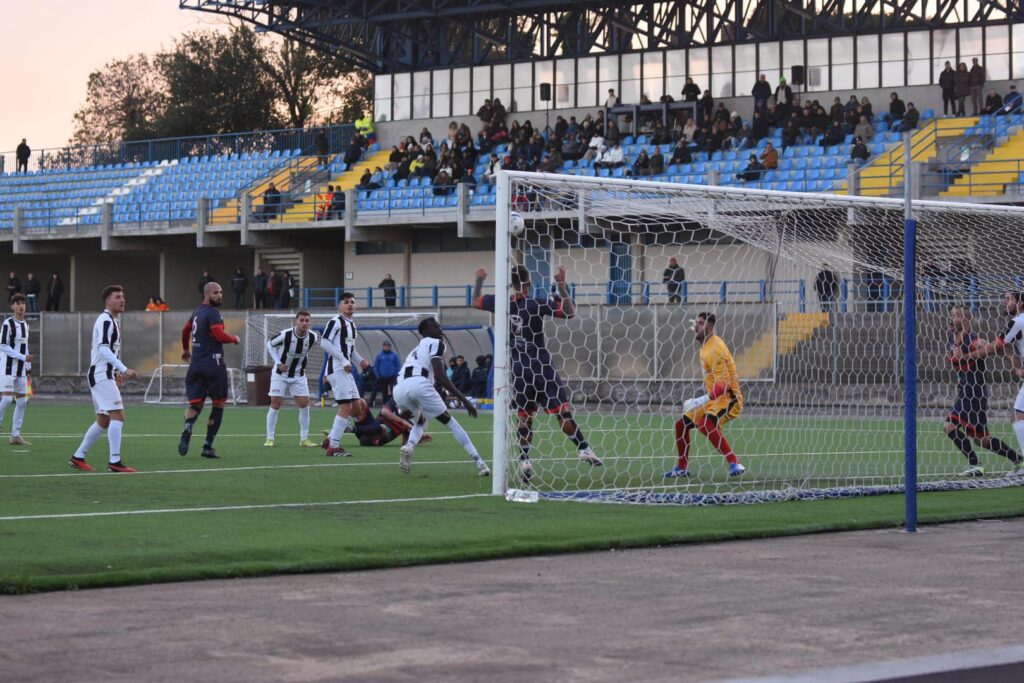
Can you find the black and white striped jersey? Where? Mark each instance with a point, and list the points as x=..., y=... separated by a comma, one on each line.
x=339, y=342
x=106, y=349
x=418, y=363
x=14, y=348
x=1014, y=335
x=289, y=348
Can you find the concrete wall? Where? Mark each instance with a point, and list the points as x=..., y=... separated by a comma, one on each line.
x=137, y=271
x=181, y=269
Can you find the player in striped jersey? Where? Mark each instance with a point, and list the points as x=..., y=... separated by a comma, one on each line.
x=15, y=367
x=339, y=343
x=289, y=349
x=106, y=375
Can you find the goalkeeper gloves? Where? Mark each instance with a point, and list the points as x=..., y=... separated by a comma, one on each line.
x=694, y=403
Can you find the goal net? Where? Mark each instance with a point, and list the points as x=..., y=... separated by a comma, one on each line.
x=167, y=385
x=806, y=291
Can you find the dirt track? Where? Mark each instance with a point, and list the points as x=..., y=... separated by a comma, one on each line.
x=749, y=608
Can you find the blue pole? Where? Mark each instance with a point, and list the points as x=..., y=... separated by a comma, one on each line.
x=646, y=293
x=724, y=293
x=434, y=299
x=844, y=293
x=401, y=296
x=369, y=297
x=910, y=372
x=803, y=295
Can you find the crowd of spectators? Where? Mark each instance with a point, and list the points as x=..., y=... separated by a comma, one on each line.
x=33, y=289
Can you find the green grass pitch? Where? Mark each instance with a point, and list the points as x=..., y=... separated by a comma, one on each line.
x=261, y=511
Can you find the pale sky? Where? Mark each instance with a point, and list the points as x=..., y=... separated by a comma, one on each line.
x=48, y=48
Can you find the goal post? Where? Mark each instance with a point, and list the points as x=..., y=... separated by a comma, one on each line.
x=840, y=348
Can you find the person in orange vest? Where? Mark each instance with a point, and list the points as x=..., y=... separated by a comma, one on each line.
x=323, y=203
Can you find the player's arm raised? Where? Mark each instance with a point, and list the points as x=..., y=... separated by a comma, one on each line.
x=478, y=289
x=442, y=377
x=567, y=306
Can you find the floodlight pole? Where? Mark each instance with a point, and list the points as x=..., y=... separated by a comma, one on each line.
x=909, y=340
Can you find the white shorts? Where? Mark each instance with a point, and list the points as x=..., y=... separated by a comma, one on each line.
x=106, y=396
x=417, y=394
x=13, y=385
x=343, y=386
x=1018, y=405
x=283, y=385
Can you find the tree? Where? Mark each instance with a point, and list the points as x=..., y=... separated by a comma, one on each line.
x=304, y=78
x=355, y=96
x=124, y=101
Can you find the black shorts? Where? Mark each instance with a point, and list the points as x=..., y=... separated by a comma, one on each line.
x=537, y=386
x=206, y=381
x=971, y=414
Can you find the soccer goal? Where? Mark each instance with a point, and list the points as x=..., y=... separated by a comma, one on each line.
x=167, y=385
x=807, y=291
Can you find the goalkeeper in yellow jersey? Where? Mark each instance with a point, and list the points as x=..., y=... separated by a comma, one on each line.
x=721, y=404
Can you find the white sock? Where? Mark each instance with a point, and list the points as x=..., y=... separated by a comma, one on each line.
x=272, y=423
x=303, y=423
x=337, y=429
x=416, y=433
x=463, y=438
x=1018, y=427
x=5, y=403
x=114, y=439
x=94, y=432
x=19, y=415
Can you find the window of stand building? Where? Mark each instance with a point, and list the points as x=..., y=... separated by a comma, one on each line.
x=675, y=73
x=421, y=95
x=768, y=63
x=403, y=97
x=608, y=76
x=919, y=63
x=842, y=63
x=997, y=53
x=460, y=92
x=481, y=86
x=565, y=83
x=943, y=50
x=501, y=81
x=893, y=58
x=746, y=73
x=543, y=72
x=654, y=75
x=721, y=72
x=698, y=66
x=629, y=78
x=442, y=93
x=867, y=62
x=1018, y=50
x=793, y=55
x=817, y=65
x=522, y=93
x=382, y=98
x=586, y=82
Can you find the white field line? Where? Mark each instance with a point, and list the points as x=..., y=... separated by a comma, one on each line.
x=244, y=468
x=226, y=508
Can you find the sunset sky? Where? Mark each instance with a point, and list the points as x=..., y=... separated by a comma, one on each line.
x=49, y=47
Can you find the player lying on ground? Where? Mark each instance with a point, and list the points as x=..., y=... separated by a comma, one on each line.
x=106, y=375
x=381, y=430
x=15, y=367
x=1010, y=342
x=202, y=341
x=722, y=403
x=536, y=384
x=416, y=394
x=968, y=419
x=289, y=350
x=339, y=343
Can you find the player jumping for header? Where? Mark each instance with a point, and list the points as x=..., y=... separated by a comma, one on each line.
x=969, y=417
x=721, y=404
x=536, y=384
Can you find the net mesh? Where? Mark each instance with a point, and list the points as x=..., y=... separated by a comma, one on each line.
x=807, y=291
x=167, y=385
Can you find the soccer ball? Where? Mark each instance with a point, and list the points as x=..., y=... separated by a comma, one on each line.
x=516, y=224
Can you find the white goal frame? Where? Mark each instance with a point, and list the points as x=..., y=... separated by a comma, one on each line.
x=157, y=391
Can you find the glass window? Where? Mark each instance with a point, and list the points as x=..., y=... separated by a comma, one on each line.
x=675, y=70
x=842, y=64
x=608, y=77
x=1018, y=50
x=654, y=75
x=565, y=83
x=403, y=97
x=893, y=60
x=586, y=82
x=460, y=92
x=699, y=63
x=997, y=53
x=768, y=61
x=746, y=73
x=630, y=78
x=867, y=61
x=543, y=72
x=792, y=55
x=919, y=61
x=421, y=95
x=970, y=44
x=943, y=50
x=817, y=64
x=442, y=93
x=382, y=98
x=522, y=93
x=501, y=80
x=721, y=71
x=481, y=86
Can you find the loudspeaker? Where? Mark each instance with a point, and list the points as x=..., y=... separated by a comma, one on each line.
x=545, y=92
x=797, y=75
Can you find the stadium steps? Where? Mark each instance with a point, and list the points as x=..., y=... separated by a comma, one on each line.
x=281, y=258
x=304, y=209
x=793, y=329
x=281, y=177
x=989, y=177
x=884, y=176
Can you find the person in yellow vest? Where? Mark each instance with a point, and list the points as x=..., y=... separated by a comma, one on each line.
x=364, y=126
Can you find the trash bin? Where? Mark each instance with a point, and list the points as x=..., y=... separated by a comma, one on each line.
x=257, y=385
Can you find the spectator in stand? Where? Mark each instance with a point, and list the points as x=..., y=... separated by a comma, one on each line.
x=493, y=166
x=323, y=147
x=961, y=87
x=366, y=182
x=259, y=289
x=461, y=377
x=337, y=210
x=642, y=165
x=993, y=103
x=753, y=170
x=571, y=148
x=612, y=135
x=657, y=162
x=612, y=100
x=612, y=158
x=486, y=111
x=783, y=93
x=910, y=119
x=826, y=284
x=205, y=280
x=896, y=109
x=947, y=82
x=21, y=155
x=864, y=130
x=271, y=202
x=443, y=184
x=673, y=278
x=706, y=106
x=499, y=112
x=239, y=283
x=744, y=137
x=322, y=204
x=691, y=91
x=157, y=305
x=976, y=83
x=54, y=291
x=596, y=148
x=364, y=126
x=288, y=290
x=416, y=166
x=32, y=289
x=790, y=133
x=395, y=158
x=681, y=154
x=867, y=109
x=721, y=113
x=480, y=374
x=355, y=150
x=390, y=291
x=690, y=129
x=835, y=135
x=770, y=157
x=713, y=142
x=385, y=367
x=273, y=288
x=761, y=92
x=859, y=152
x=13, y=285
x=1012, y=101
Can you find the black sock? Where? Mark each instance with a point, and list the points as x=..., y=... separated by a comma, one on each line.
x=213, y=426
x=577, y=438
x=1000, y=448
x=964, y=444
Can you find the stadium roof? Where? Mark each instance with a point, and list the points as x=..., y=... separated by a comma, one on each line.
x=403, y=35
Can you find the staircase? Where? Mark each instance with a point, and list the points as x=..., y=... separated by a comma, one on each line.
x=989, y=177
x=793, y=329
x=305, y=210
x=281, y=177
